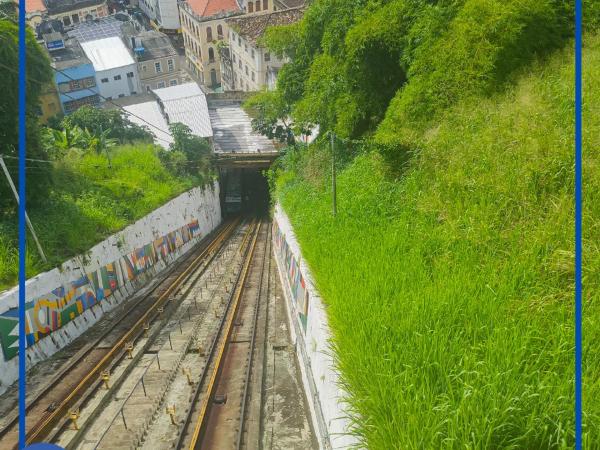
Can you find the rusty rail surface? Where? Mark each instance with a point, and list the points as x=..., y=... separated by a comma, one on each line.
x=56, y=414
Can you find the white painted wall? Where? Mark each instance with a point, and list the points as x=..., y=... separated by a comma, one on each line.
x=319, y=374
x=125, y=86
x=169, y=14
x=149, y=7
x=198, y=203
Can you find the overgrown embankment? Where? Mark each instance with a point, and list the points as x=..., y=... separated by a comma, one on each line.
x=86, y=202
x=448, y=271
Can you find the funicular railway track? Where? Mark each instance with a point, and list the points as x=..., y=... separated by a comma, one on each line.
x=48, y=413
x=218, y=417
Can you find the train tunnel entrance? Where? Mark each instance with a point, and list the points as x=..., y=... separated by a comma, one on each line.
x=244, y=190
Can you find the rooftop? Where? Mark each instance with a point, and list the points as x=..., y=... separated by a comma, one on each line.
x=156, y=45
x=34, y=5
x=186, y=103
x=232, y=129
x=108, y=53
x=61, y=6
x=72, y=55
x=252, y=26
x=207, y=8
x=97, y=29
x=151, y=113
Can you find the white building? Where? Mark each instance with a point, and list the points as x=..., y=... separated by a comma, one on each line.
x=164, y=14
x=116, y=69
x=245, y=65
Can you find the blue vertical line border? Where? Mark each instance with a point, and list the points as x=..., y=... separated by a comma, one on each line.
x=578, y=227
x=22, y=236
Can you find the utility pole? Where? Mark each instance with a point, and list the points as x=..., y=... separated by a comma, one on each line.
x=12, y=186
x=333, y=186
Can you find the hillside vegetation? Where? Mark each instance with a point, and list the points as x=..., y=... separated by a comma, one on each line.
x=448, y=271
x=87, y=202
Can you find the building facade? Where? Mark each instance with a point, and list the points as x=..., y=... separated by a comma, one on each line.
x=74, y=76
x=72, y=12
x=163, y=14
x=157, y=60
x=116, y=70
x=35, y=10
x=245, y=65
x=204, y=30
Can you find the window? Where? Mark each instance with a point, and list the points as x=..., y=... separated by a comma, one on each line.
x=121, y=95
x=239, y=41
x=267, y=57
x=245, y=47
x=233, y=57
x=252, y=76
x=171, y=65
x=160, y=85
x=246, y=70
x=173, y=83
x=265, y=4
x=129, y=74
x=209, y=37
x=143, y=67
x=253, y=53
x=74, y=84
x=211, y=55
x=250, y=7
x=157, y=67
x=117, y=77
x=89, y=82
x=257, y=5
x=104, y=80
x=220, y=31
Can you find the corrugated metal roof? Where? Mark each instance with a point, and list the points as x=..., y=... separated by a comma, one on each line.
x=232, y=129
x=150, y=112
x=108, y=53
x=186, y=103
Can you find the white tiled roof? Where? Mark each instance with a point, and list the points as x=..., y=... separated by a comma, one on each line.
x=186, y=103
x=108, y=53
x=150, y=112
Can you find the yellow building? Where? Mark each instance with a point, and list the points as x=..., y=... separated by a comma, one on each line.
x=49, y=103
x=203, y=27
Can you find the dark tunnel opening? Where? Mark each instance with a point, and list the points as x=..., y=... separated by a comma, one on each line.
x=244, y=191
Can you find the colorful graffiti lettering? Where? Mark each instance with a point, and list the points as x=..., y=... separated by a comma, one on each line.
x=54, y=310
x=294, y=275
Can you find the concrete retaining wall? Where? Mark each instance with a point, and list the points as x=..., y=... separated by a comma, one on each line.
x=311, y=336
x=64, y=302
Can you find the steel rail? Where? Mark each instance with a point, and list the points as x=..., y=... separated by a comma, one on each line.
x=232, y=306
x=45, y=426
x=83, y=353
x=248, y=373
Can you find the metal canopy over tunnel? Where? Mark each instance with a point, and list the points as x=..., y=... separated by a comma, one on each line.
x=242, y=155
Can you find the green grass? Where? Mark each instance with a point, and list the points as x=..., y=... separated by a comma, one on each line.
x=449, y=284
x=89, y=201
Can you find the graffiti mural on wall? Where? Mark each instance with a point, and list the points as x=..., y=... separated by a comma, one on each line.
x=48, y=313
x=295, y=278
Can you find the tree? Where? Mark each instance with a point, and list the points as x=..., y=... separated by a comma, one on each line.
x=38, y=74
x=271, y=116
x=188, y=154
x=115, y=120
